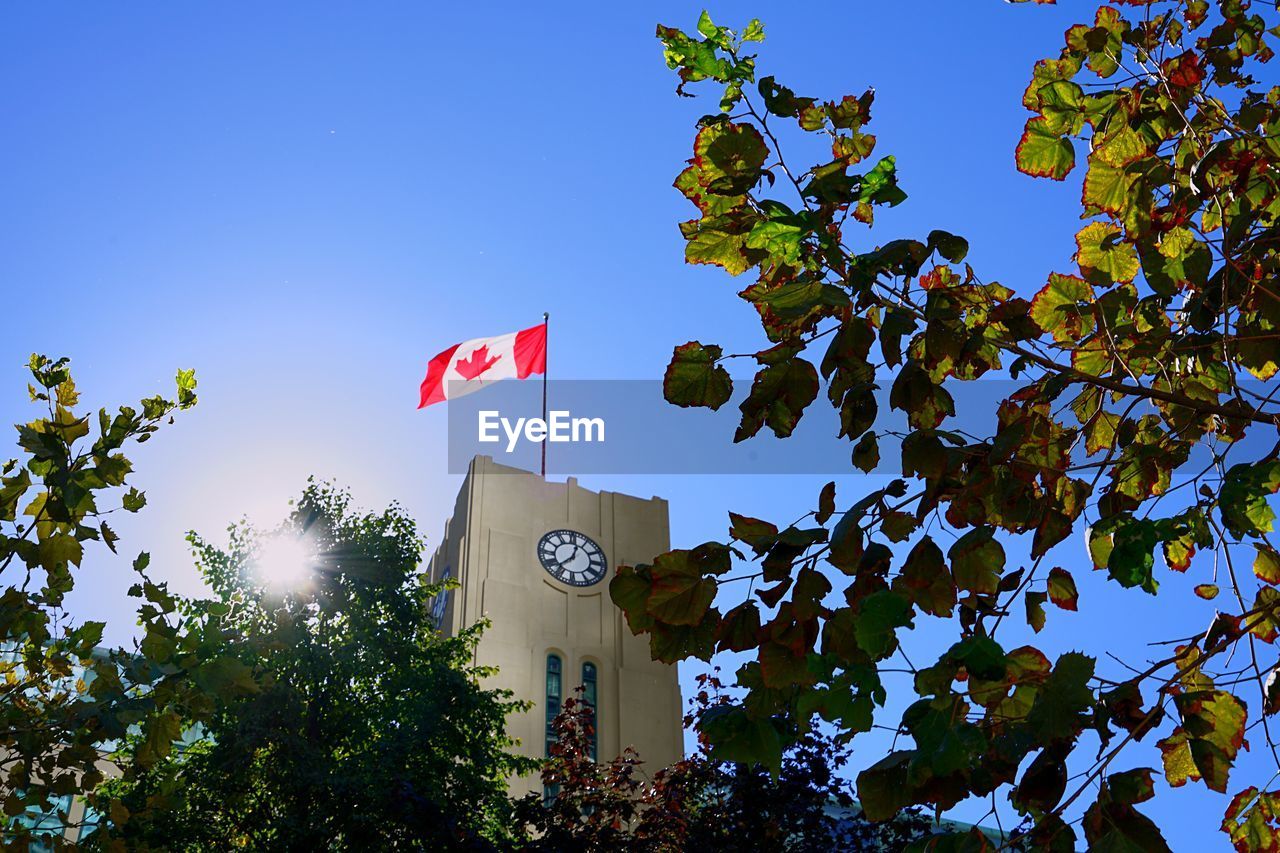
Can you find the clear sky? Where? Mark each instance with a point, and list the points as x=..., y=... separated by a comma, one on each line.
x=305, y=201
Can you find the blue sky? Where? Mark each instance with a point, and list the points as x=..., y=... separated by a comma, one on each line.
x=306, y=201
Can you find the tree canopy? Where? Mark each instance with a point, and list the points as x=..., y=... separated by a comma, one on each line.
x=1139, y=414
x=360, y=725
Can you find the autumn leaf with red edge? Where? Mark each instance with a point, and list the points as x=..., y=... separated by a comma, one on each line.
x=1062, y=589
x=1042, y=153
x=1266, y=565
x=1252, y=821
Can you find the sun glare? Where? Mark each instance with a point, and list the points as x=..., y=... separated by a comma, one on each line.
x=285, y=561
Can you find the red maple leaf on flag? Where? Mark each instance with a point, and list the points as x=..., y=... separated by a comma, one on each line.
x=476, y=363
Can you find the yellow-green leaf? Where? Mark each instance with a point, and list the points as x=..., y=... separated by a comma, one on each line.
x=1099, y=249
x=1042, y=153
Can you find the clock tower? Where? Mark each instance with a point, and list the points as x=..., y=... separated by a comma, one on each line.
x=535, y=557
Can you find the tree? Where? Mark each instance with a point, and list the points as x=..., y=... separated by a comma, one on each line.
x=368, y=728
x=1136, y=379
x=702, y=803
x=63, y=702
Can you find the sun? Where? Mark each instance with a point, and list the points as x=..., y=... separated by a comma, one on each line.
x=285, y=561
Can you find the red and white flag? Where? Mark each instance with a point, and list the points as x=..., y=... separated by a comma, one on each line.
x=470, y=366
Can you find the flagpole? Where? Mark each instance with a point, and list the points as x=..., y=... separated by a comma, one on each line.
x=546, y=352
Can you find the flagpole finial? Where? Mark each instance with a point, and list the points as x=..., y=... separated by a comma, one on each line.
x=545, y=316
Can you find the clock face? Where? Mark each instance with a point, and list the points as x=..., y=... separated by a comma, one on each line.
x=572, y=558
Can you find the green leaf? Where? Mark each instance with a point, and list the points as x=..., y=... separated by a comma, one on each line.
x=783, y=102
x=134, y=500
x=740, y=628
x=60, y=549
x=926, y=580
x=629, y=589
x=696, y=60
x=186, y=381
x=161, y=732
x=780, y=240
x=981, y=657
x=11, y=491
x=69, y=427
x=1099, y=250
x=883, y=788
x=1132, y=554
x=1042, y=153
x=1266, y=564
x=694, y=378
x=760, y=535
x=1107, y=189
x=782, y=667
x=109, y=537
x=880, y=185
x=706, y=28
x=779, y=395
x=1175, y=753
x=810, y=589
x=1062, y=589
x=826, y=503
x=797, y=299
x=1267, y=627
x=1064, y=698
x=866, y=453
x=881, y=614
x=730, y=156
x=673, y=643
x=1046, y=71
x=680, y=594
x=1243, y=498
x=227, y=677
x=736, y=736
x=711, y=204
x=1043, y=783
x=1132, y=786
x=926, y=403
x=1251, y=820
x=951, y=247
x=1120, y=828
x=1214, y=722
x=1058, y=308
x=977, y=561
x=1035, y=610
x=719, y=242
x=1061, y=102
x=896, y=324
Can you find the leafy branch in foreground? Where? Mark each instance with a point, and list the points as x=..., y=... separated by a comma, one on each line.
x=63, y=702
x=1142, y=412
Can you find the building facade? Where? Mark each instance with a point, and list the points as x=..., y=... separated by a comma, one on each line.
x=535, y=558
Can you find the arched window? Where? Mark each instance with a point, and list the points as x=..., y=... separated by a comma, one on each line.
x=589, y=697
x=554, y=693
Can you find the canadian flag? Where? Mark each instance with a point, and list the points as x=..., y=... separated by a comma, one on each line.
x=472, y=365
